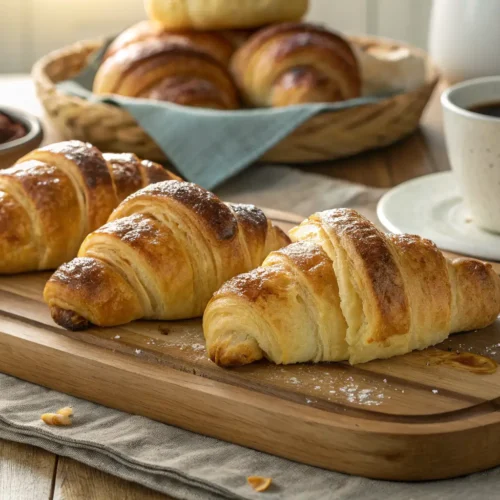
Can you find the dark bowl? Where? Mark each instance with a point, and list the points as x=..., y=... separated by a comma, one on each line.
x=11, y=151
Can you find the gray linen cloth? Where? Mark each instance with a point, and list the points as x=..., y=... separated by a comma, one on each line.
x=189, y=466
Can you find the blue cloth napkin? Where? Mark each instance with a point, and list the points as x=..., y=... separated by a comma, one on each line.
x=207, y=146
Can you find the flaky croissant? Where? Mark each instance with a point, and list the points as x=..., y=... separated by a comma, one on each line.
x=346, y=291
x=177, y=72
x=294, y=64
x=54, y=196
x=163, y=254
x=219, y=44
x=223, y=14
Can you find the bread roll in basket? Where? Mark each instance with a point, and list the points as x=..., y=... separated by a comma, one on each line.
x=221, y=14
x=326, y=136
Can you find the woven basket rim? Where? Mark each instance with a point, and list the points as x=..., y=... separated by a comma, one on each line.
x=40, y=76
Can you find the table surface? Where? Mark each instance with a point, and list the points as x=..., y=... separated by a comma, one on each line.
x=27, y=472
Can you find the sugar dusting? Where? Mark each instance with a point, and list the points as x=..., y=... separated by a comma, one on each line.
x=197, y=349
x=335, y=385
x=365, y=397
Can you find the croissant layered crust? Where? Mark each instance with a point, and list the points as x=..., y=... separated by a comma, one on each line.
x=168, y=247
x=53, y=197
x=295, y=63
x=346, y=291
x=222, y=14
x=177, y=72
x=219, y=44
x=130, y=173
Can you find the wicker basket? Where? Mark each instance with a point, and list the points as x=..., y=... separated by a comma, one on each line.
x=326, y=136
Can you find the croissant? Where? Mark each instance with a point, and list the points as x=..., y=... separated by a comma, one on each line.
x=176, y=72
x=346, y=291
x=219, y=44
x=54, y=196
x=222, y=14
x=296, y=63
x=163, y=254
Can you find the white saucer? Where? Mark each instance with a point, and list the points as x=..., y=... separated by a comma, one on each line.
x=432, y=207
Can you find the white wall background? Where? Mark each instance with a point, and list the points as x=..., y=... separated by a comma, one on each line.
x=31, y=28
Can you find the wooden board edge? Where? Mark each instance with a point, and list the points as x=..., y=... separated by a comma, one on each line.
x=266, y=423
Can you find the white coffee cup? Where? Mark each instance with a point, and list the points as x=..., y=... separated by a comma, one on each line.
x=473, y=142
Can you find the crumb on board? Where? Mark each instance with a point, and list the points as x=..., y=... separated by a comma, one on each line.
x=61, y=418
x=258, y=483
x=164, y=330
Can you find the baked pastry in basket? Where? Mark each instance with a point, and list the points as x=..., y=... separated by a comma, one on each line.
x=219, y=44
x=224, y=14
x=174, y=71
x=296, y=63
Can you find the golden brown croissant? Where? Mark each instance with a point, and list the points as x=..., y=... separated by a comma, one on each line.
x=219, y=44
x=176, y=72
x=222, y=14
x=346, y=291
x=294, y=64
x=54, y=196
x=163, y=254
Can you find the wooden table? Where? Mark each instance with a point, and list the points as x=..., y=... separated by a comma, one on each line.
x=27, y=472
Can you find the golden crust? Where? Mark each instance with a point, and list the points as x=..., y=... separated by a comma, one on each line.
x=18, y=250
x=291, y=45
x=151, y=260
x=216, y=216
x=86, y=291
x=126, y=173
x=253, y=285
x=49, y=197
x=69, y=181
x=194, y=92
x=273, y=311
x=347, y=291
x=222, y=14
x=171, y=246
x=476, y=295
x=296, y=63
x=380, y=279
x=311, y=260
x=219, y=45
x=428, y=288
x=223, y=354
x=130, y=174
x=88, y=169
x=161, y=68
x=153, y=173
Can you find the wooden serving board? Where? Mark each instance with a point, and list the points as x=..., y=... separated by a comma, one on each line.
x=415, y=417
